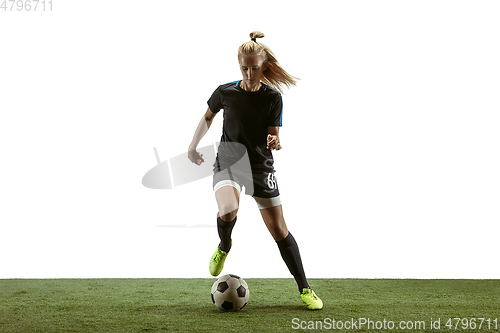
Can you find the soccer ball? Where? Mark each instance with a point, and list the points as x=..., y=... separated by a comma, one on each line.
x=230, y=293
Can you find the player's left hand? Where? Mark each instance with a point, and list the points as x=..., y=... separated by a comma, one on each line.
x=273, y=142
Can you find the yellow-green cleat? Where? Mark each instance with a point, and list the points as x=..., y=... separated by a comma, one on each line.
x=311, y=299
x=217, y=261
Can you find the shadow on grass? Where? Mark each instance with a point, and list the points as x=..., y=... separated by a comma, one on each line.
x=274, y=308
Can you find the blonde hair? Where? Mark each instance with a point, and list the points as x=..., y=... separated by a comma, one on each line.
x=274, y=75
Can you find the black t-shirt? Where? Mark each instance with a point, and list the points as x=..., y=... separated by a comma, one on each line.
x=246, y=118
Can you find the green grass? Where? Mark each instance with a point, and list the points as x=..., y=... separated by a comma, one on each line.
x=184, y=305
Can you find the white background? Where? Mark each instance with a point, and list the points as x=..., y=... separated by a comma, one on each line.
x=390, y=159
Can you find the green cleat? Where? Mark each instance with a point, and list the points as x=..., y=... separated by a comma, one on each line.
x=311, y=299
x=217, y=261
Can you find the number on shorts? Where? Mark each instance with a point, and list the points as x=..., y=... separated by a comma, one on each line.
x=271, y=181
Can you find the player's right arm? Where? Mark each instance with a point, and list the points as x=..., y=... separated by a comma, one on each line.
x=203, y=126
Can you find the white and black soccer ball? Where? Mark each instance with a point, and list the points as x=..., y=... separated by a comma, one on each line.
x=230, y=293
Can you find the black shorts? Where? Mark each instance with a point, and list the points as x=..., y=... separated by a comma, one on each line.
x=261, y=185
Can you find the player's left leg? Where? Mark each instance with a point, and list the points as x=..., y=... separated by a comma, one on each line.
x=275, y=223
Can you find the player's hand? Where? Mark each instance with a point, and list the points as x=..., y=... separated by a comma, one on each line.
x=273, y=142
x=195, y=157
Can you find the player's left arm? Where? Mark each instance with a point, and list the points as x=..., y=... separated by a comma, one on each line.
x=273, y=139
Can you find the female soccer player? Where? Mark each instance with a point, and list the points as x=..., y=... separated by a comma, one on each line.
x=252, y=117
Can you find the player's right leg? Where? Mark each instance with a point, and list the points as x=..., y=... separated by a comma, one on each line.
x=228, y=200
x=227, y=194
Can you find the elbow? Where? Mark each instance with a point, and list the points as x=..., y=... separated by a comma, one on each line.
x=208, y=121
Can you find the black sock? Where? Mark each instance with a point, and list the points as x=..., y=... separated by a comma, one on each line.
x=291, y=255
x=225, y=229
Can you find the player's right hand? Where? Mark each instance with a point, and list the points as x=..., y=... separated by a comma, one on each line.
x=195, y=157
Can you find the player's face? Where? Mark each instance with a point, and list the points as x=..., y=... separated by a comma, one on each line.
x=251, y=67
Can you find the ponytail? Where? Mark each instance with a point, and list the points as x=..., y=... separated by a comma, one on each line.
x=274, y=75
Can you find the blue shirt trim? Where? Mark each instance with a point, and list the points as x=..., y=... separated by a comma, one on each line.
x=281, y=115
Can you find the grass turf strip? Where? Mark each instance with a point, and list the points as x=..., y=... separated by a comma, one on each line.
x=184, y=305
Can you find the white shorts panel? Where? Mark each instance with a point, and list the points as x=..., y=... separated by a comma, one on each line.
x=267, y=202
x=227, y=182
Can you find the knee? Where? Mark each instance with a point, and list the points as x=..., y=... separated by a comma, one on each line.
x=279, y=232
x=228, y=201
x=227, y=212
x=229, y=216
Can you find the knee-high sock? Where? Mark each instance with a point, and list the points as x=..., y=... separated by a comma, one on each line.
x=224, y=229
x=291, y=255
